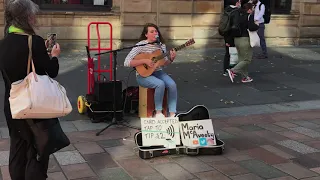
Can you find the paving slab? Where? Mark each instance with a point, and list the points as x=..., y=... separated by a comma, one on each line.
x=246, y=177
x=89, y=148
x=261, y=169
x=4, y=158
x=56, y=176
x=78, y=171
x=229, y=168
x=295, y=136
x=307, y=124
x=306, y=131
x=306, y=161
x=69, y=157
x=167, y=170
x=299, y=147
x=270, y=126
x=277, y=151
x=295, y=170
x=192, y=165
x=113, y=174
x=100, y=161
x=284, y=178
x=266, y=156
x=211, y=175
x=143, y=170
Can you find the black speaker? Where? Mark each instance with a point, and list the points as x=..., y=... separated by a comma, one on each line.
x=103, y=91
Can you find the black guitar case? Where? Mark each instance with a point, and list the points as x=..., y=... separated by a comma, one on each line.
x=198, y=112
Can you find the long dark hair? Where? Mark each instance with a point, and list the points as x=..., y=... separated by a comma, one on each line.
x=18, y=13
x=145, y=31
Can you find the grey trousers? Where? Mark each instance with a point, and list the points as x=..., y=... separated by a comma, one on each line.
x=262, y=39
x=244, y=55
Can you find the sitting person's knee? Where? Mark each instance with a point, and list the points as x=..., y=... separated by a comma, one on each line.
x=172, y=85
x=161, y=85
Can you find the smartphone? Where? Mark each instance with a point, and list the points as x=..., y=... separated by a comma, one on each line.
x=51, y=41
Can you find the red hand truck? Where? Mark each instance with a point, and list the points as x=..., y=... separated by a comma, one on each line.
x=84, y=102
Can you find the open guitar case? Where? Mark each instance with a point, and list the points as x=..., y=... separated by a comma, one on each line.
x=198, y=112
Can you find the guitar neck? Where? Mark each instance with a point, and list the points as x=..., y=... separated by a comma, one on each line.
x=168, y=52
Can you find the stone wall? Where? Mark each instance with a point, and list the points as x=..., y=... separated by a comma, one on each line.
x=179, y=21
x=309, y=24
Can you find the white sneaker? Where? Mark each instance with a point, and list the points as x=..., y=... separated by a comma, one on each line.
x=231, y=74
x=173, y=115
x=160, y=115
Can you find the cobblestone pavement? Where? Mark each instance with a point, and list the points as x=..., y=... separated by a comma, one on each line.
x=277, y=146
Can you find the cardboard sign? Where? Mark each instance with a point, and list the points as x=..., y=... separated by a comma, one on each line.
x=160, y=131
x=197, y=133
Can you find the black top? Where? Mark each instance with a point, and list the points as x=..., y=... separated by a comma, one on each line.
x=228, y=37
x=243, y=23
x=14, y=53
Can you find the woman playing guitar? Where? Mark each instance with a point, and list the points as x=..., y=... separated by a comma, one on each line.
x=158, y=80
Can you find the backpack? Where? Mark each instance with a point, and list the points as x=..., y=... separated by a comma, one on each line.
x=267, y=13
x=225, y=22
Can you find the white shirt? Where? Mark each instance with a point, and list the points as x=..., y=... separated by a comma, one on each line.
x=258, y=13
x=150, y=48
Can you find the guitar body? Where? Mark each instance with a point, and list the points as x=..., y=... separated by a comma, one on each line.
x=143, y=69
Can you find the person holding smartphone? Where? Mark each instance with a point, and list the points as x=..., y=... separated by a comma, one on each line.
x=20, y=19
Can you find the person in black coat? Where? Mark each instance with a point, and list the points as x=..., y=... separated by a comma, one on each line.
x=20, y=18
x=244, y=23
x=232, y=7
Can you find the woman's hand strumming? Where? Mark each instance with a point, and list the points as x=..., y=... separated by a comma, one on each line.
x=55, y=52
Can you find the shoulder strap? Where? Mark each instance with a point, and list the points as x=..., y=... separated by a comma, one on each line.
x=30, y=53
x=30, y=60
x=260, y=6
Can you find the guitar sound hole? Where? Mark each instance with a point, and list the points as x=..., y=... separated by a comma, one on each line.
x=145, y=66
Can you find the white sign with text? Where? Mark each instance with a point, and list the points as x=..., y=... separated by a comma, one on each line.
x=197, y=133
x=160, y=131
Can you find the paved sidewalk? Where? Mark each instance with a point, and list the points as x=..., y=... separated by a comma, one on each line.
x=287, y=81
x=277, y=146
x=271, y=127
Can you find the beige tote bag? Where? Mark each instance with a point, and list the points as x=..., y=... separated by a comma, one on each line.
x=38, y=96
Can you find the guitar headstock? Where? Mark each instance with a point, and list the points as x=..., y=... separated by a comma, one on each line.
x=189, y=42
x=186, y=44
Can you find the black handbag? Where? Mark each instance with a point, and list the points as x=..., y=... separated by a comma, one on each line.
x=48, y=136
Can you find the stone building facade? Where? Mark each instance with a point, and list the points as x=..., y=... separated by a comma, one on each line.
x=179, y=20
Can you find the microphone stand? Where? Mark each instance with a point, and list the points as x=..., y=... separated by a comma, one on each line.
x=115, y=52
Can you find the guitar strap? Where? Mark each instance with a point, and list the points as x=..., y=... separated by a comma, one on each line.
x=160, y=45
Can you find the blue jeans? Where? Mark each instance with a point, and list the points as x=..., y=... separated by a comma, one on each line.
x=159, y=80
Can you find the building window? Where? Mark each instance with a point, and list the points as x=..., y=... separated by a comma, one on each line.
x=277, y=6
x=75, y=5
x=281, y=6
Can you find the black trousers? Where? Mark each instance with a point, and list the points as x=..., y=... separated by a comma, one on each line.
x=23, y=164
x=226, y=61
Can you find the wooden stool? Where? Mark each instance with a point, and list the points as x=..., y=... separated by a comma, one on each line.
x=146, y=102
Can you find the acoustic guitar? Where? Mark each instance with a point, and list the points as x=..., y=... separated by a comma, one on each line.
x=158, y=59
